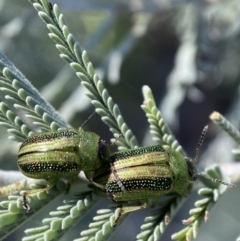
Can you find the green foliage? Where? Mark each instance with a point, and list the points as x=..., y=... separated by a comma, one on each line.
x=39, y=115
x=158, y=128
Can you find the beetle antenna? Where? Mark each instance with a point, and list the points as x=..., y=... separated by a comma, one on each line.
x=113, y=143
x=216, y=180
x=200, y=142
x=88, y=119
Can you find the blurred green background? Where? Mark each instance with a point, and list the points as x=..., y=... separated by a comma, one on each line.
x=187, y=52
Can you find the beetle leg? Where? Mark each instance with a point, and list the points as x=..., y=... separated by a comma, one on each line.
x=119, y=182
x=30, y=192
x=69, y=182
x=110, y=194
x=127, y=209
x=25, y=202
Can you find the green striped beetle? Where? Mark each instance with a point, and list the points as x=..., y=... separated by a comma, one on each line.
x=148, y=173
x=63, y=153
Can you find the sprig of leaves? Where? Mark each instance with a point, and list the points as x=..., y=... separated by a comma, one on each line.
x=211, y=193
x=71, y=52
x=158, y=127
